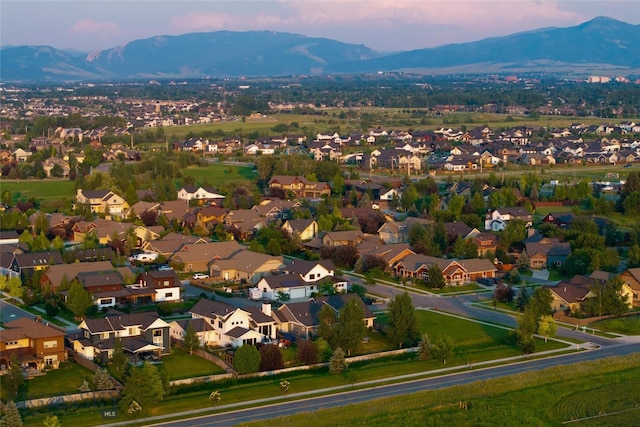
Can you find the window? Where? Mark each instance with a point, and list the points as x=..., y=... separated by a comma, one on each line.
x=50, y=360
x=169, y=295
x=312, y=276
x=104, y=335
x=51, y=344
x=131, y=331
x=12, y=343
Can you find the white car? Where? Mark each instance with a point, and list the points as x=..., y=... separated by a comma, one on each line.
x=199, y=276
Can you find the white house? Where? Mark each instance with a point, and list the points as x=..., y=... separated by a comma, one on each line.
x=229, y=325
x=198, y=193
x=497, y=220
x=302, y=280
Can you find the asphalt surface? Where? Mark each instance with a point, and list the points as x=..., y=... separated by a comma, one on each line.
x=9, y=312
x=291, y=407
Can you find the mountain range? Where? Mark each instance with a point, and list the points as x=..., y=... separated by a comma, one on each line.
x=596, y=45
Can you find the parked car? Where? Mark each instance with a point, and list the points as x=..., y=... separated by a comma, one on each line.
x=199, y=276
x=164, y=267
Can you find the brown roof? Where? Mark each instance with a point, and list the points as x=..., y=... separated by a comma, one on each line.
x=209, y=251
x=28, y=328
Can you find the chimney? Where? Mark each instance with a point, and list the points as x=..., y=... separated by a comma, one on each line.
x=266, y=308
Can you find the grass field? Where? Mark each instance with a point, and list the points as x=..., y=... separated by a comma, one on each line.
x=39, y=189
x=218, y=174
x=606, y=390
x=180, y=365
x=622, y=325
x=65, y=380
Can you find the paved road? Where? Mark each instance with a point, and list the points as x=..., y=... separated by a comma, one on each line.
x=460, y=305
x=9, y=312
x=365, y=395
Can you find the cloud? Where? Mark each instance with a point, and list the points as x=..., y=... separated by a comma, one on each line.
x=195, y=21
x=89, y=27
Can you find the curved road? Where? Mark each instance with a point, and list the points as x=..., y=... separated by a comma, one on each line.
x=460, y=305
x=364, y=395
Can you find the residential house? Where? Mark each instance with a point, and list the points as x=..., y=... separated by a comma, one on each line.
x=276, y=209
x=305, y=229
x=232, y=326
x=455, y=272
x=398, y=231
x=202, y=194
x=631, y=277
x=301, y=319
x=245, y=266
x=101, y=201
x=197, y=257
x=141, y=335
x=486, y=243
x=568, y=295
x=247, y=222
x=164, y=284
x=547, y=253
x=210, y=216
x=300, y=186
x=56, y=275
x=26, y=264
x=172, y=243
x=391, y=253
x=35, y=345
x=497, y=219
x=302, y=279
x=333, y=239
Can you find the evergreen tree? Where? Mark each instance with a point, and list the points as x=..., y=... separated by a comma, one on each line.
x=436, y=279
x=11, y=417
x=144, y=386
x=84, y=387
x=246, y=360
x=13, y=379
x=327, y=317
x=522, y=299
x=118, y=358
x=337, y=363
x=51, y=421
x=403, y=326
x=102, y=380
x=424, y=347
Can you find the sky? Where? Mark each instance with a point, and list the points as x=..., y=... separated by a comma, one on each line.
x=383, y=25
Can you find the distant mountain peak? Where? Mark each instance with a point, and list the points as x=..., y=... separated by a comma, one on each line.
x=601, y=43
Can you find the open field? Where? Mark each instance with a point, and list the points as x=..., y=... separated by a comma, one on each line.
x=604, y=389
x=39, y=188
x=217, y=174
x=329, y=120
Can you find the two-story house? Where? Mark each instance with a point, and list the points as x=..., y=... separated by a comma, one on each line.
x=101, y=201
x=141, y=334
x=226, y=325
x=34, y=344
x=300, y=186
x=301, y=280
x=497, y=219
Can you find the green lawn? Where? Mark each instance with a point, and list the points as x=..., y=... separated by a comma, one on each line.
x=621, y=325
x=65, y=380
x=39, y=189
x=179, y=364
x=217, y=174
x=604, y=389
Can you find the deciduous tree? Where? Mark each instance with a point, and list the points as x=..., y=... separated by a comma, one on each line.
x=78, y=299
x=547, y=327
x=270, y=358
x=350, y=328
x=403, y=326
x=442, y=348
x=191, y=340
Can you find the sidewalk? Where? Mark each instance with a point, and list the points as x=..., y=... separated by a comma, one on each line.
x=348, y=387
